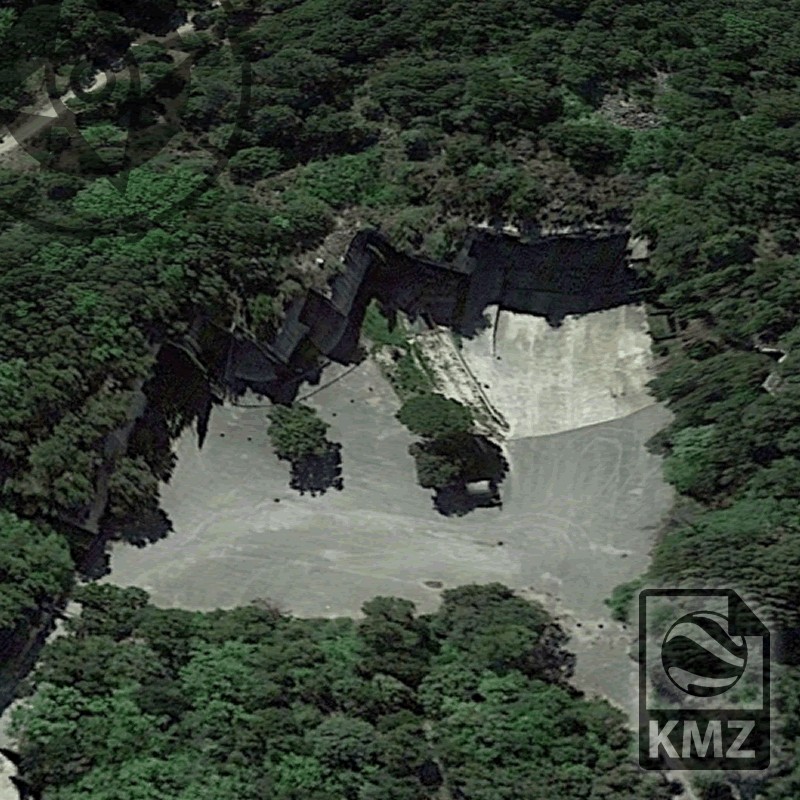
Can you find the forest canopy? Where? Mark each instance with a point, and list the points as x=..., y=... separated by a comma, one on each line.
x=251, y=704
x=679, y=119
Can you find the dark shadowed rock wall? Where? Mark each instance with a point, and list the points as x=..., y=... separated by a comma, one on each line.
x=552, y=276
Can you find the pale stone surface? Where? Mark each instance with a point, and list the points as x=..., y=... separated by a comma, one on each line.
x=574, y=505
x=579, y=516
x=543, y=380
x=454, y=378
x=7, y=789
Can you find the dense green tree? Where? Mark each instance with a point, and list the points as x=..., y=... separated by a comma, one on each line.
x=65, y=730
x=311, y=708
x=752, y=544
x=296, y=431
x=220, y=673
x=591, y=146
x=433, y=415
x=254, y=163
x=35, y=567
x=96, y=665
x=132, y=488
x=434, y=471
x=688, y=464
x=107, y=610
x=545, y=732
x=496, y=630
x=416, y=87
x=500, y=99
x=393, y=640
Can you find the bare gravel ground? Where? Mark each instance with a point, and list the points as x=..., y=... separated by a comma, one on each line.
x=580, y=512
x=7, y=789
x=543, y=380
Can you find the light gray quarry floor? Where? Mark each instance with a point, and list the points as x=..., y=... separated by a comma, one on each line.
x=7, y=789
x=593, y=368
x=579, y=517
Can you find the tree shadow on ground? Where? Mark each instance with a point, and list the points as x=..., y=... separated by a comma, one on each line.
x=149, y=527
x=456, y=501
x=317, y=473
x=483, y=469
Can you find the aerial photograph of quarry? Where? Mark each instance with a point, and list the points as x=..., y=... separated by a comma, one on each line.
x=398, y=400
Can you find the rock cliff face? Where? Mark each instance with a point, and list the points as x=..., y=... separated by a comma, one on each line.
x=551, y=276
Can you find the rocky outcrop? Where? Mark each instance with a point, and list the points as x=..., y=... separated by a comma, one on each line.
x=550, y=276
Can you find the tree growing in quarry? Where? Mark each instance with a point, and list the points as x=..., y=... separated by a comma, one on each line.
x=296, y=432
x=434, y=471
x=433, y=416
x=35, y=566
